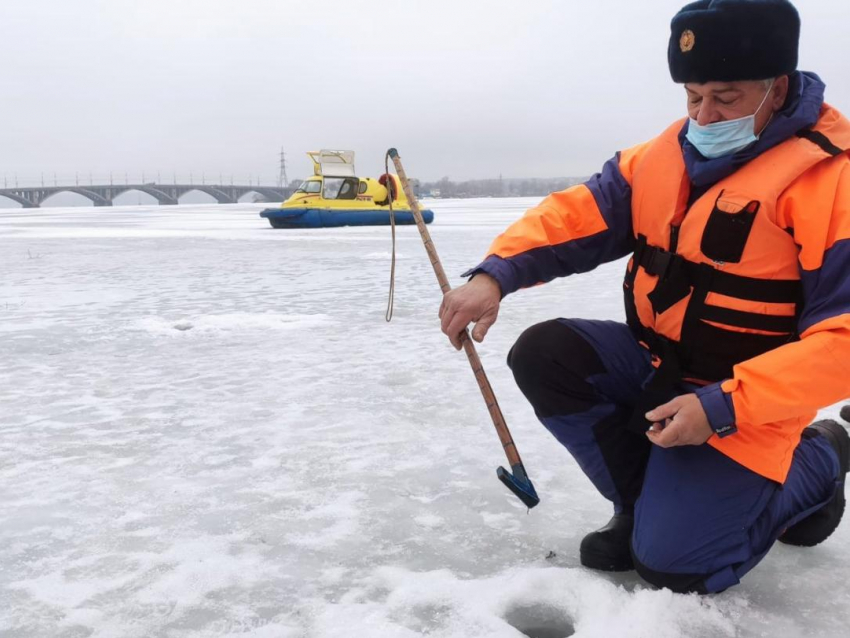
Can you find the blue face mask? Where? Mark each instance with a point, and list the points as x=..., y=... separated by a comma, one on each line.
x=724, y=138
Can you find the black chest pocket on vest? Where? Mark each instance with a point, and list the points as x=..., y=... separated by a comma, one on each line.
x=727, y=230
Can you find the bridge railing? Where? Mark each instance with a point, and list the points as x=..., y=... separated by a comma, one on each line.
x=45, y=180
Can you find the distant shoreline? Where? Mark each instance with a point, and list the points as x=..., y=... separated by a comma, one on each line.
x=500, y=187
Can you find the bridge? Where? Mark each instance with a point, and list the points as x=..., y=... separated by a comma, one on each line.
x=165, y=194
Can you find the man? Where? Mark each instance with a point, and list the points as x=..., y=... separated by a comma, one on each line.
x=692, y=419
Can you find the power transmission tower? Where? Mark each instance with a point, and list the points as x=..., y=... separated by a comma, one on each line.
x=282, y=180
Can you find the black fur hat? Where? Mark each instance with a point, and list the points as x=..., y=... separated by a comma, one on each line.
x=731, y=40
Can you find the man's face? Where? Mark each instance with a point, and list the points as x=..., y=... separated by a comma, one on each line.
x=720, y=101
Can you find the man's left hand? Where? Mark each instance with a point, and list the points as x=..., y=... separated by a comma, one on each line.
x=682, y=421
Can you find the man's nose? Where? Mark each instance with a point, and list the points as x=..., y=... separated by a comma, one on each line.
x=708, y=114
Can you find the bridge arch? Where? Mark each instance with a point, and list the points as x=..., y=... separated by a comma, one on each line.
x=23, y=201
x=159, y=195
x=220, y=196
x=96, y=198
x=132, y=197
x=267, y=194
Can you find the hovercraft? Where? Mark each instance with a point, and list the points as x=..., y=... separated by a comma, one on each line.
x=334, y=196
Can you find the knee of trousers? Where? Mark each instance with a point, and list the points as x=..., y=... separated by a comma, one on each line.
x=551, y=364
x=663, y=556
x=678, y=583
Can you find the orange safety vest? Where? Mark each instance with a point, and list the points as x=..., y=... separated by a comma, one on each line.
x=718, y=283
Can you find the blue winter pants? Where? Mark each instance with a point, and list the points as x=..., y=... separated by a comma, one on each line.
x=702, y=521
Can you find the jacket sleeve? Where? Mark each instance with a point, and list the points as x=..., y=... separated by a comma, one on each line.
x=571, y=231
x=797, y=379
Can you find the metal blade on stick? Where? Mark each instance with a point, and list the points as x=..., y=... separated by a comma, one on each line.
x=516, y=480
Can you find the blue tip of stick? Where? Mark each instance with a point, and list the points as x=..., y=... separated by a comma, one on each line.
x=519, y=484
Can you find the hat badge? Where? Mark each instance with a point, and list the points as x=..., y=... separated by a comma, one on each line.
x=687, y=41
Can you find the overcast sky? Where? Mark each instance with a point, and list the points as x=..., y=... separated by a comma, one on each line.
x=466, y=89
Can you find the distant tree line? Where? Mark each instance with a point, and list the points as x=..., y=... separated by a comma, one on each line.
x=507, y=187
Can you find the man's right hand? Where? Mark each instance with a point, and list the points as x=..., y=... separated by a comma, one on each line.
x=475, y=301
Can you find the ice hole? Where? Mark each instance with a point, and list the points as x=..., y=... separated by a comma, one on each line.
x=540, y=621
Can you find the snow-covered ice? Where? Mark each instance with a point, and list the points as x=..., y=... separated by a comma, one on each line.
x=207, y=428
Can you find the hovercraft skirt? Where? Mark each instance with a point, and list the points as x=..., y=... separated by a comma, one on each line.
x=331, y=218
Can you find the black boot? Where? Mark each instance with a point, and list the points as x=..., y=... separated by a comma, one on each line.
x=817, y=527
x=608, y=549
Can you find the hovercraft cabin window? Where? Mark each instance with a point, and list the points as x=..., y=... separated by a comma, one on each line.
x=310, y=186
x=340, y=188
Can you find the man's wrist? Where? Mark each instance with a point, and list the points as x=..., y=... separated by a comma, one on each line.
x=719, y=409
x=488, y=281
x=499, y=270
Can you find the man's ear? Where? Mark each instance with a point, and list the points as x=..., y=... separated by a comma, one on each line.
x=780, y=92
